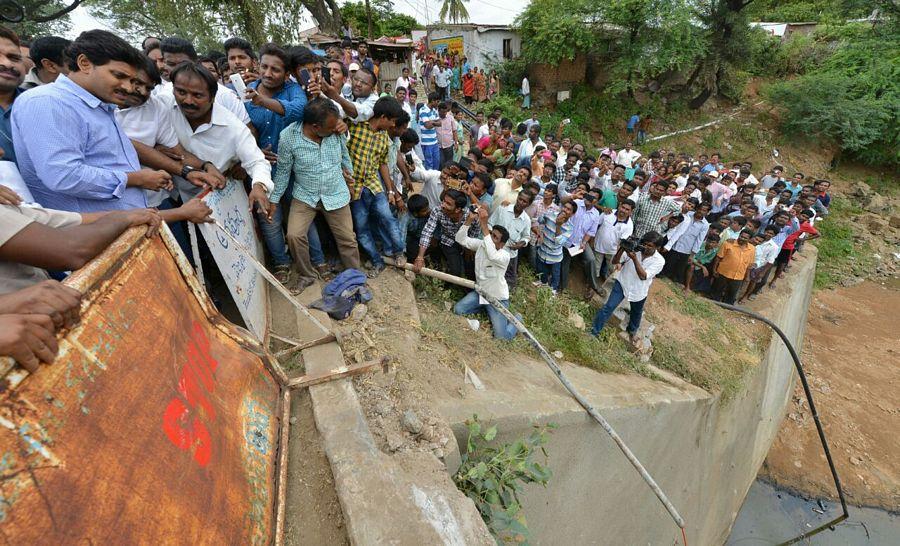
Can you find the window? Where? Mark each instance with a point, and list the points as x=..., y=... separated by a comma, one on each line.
x=507, y=48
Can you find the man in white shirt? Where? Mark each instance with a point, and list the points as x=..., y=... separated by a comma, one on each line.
x=442, y=81
x=767, y=250
x=517, y=223
x=146, y=122
x=491, y=263
x=614, y=226
x=527, y=146
x=684, y=241
x=178, y=50
x=206, y=129
x=628, y=155
x=635, y=277
x=526, y=93
x=403, y=81
x=362, y=84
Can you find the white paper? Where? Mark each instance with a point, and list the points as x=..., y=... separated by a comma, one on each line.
x=12, y=179
x=575, y=250
x=482, y=301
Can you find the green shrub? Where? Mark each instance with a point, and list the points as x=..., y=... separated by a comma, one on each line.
x=492, y=476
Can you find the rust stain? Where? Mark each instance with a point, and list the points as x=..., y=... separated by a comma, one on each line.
x=154, y=425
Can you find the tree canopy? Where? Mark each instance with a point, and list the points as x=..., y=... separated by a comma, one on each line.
x=384, y=21
x=208, y=22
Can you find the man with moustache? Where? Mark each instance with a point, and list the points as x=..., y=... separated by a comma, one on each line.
x=12, y=73
x=145, y=119
x=71, y=152
x=207, y=129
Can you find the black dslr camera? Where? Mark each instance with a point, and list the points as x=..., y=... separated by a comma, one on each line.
x=631, y=244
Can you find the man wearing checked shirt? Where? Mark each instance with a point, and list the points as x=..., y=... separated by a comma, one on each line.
x=369, y=205
x=318, y=157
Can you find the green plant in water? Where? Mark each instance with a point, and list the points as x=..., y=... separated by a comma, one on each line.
x=493, y=475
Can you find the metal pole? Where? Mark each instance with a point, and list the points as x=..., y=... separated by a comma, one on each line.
x=551, y=362
x=271, y=278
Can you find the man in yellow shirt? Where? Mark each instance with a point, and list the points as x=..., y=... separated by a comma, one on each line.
x=732, y=267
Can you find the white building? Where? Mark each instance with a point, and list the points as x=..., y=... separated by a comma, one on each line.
x=481, y=44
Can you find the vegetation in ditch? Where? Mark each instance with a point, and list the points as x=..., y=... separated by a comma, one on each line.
x=492, y=475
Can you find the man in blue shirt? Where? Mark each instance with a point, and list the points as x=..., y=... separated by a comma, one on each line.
x=632, y=123
x=429, y=120
x=71, y=152
x=275, y=102
x=12, y=73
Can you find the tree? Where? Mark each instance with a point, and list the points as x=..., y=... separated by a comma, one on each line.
x=384, y=21
x=455, y=10
x=648, y=38
x=208, y=22
x=42, y=17
x=853, y=97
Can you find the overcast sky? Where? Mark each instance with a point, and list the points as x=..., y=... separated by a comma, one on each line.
x=492, y=12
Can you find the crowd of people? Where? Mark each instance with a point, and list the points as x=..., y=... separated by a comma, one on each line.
x=106, y=136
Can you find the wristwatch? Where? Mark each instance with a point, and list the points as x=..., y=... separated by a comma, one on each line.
x=186, y=170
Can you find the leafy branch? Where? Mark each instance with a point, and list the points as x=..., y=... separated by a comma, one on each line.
x=492, y=476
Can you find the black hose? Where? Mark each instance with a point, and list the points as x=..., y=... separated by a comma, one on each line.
x=815, y=414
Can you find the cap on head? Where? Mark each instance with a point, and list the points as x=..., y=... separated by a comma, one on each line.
x=353, y=67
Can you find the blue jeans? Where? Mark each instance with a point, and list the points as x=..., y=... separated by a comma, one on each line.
x=615, y=298
x=273, y=235
x=316, y=255
x=503, y=329
x=375, y=206
x=432, y=154
x=549, y=273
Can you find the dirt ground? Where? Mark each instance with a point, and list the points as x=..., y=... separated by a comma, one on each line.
x=851, y=354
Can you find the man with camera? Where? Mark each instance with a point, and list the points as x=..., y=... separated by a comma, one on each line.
x=491, y=263
x=641, y=264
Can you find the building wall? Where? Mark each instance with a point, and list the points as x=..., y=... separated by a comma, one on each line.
x=482, y=48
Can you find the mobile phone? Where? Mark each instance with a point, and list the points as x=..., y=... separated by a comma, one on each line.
x=473, y=208
x=326, y=74
x=239, y=86
x=304, y=78
x=409, y=159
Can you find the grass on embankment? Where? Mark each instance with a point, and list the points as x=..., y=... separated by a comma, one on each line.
x=693, y=339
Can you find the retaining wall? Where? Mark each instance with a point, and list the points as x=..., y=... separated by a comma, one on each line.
x=704, y=453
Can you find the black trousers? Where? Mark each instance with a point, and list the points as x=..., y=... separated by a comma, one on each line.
x=676, y=265
x=454, y=257
x=725, y=289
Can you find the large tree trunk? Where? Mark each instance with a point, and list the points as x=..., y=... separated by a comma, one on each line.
x=327, y=13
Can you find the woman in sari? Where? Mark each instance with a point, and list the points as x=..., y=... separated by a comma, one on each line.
x=456, y=78
x=480, y=85
x=493, y=85
x=504, y=156
x=468, y=87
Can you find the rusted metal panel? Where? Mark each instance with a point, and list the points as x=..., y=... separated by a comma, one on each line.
x=159, y=422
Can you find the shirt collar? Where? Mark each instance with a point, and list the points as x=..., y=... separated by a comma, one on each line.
x=88, y=98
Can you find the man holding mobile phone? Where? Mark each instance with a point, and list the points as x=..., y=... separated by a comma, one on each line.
x=274, y=103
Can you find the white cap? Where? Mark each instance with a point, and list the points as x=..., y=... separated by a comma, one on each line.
x=713, y=173
x=353, y=67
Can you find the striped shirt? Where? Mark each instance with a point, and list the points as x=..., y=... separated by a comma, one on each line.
x=317, y=168
x=428, y=136
x=368, y=151
x=550, y=250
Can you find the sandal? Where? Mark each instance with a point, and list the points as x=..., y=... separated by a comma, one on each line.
x=283, y=273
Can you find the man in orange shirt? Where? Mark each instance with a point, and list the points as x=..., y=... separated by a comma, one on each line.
x=732, y=267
